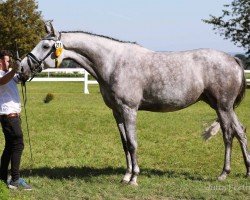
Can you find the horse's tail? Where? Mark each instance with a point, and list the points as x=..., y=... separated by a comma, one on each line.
x=241, y=94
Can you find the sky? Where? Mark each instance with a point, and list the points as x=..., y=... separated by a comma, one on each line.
x=159, y=25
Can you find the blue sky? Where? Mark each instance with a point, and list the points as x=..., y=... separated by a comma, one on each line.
x=160, y=25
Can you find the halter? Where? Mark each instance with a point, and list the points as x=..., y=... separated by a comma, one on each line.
x=57, y=48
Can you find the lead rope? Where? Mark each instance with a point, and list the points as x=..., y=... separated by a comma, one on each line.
x=24, y=95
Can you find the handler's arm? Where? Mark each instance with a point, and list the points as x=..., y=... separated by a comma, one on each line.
x=7, y=77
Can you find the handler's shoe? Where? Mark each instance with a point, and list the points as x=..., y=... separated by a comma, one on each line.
x=20, y=183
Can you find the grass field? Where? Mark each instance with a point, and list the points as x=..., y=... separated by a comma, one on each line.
x=78, y=153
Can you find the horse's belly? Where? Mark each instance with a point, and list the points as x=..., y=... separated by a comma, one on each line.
x=161, y=107
x=169, y=103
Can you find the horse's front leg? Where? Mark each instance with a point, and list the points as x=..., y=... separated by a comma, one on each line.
x=120, y=124
x=129, y=116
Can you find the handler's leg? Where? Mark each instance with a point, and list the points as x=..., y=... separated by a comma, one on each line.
x=6, y=155
x=17, y=147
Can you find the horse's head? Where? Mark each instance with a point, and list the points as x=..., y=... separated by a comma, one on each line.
x=47, y=53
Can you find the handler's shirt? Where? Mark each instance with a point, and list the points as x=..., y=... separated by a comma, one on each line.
x=9, y=96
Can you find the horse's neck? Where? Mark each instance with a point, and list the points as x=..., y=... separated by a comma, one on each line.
x=94, y=53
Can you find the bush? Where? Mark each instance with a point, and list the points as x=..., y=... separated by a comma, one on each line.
x=48, y=98
x=62, y=74
x=59, y=74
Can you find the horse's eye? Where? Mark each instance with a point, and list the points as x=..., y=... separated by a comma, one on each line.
x=45, y=46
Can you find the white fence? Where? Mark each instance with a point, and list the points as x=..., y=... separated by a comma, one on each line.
x=82, y=71
x=84, y=77
x=248, y=80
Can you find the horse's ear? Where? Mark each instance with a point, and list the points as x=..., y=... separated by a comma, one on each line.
x=47, y=26
x=50, y=29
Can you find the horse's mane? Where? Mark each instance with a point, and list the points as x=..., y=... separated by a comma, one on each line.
x=103, y=36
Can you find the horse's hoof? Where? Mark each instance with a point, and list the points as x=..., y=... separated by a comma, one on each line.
x=248, y=175
x=133, y=183
x=222, y=177
x=126, y=178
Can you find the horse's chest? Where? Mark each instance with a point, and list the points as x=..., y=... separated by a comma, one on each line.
x=108, y=97
x=117, y=97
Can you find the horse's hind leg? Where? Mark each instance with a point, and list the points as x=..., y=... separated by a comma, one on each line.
x=226, y=121
x=120, y=124
x=231, y=127
x=241, y=136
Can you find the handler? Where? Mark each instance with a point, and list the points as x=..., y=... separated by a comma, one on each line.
x=10, y=108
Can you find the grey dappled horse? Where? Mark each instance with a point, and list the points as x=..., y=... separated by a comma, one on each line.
x=133, y=78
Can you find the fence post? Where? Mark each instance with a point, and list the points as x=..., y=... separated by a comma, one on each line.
x=86, y=90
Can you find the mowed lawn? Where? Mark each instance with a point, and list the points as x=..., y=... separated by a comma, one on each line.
x=78, y=153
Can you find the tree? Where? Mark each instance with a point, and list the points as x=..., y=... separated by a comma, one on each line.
x=21, y=24
x=234, y=24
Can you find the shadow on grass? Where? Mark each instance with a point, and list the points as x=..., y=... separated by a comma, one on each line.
x=88, y=172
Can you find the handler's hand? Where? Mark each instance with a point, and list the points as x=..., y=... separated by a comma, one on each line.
x=16, y=66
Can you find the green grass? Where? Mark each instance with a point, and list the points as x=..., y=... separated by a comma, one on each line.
x=78, y=153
